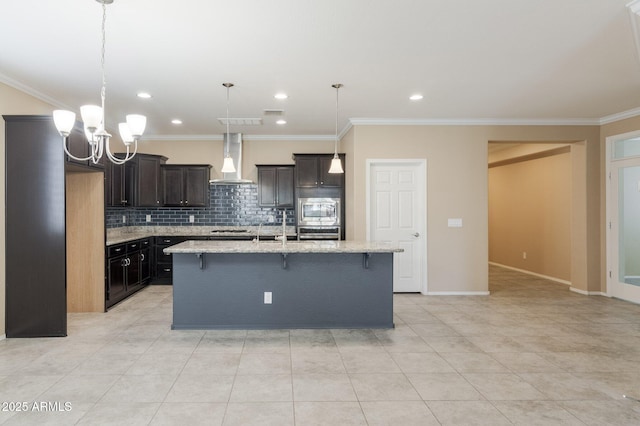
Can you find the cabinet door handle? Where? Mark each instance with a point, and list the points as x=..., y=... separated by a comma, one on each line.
x=167, y=241
x=134, y=245
x=181, y=202
x=167, y=269
x=142, y=256
x=123, y=262
x=186, y=202
x=118, y=249
x=321, y=183
x=157, y=201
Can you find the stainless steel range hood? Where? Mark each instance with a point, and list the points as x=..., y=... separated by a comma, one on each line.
x=235, y=152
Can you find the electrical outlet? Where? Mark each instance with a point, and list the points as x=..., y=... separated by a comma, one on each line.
x=524, y=254
x=191, y=218
x=148, y=218
x=271, y=218
x=124, y=219
x=267, y=298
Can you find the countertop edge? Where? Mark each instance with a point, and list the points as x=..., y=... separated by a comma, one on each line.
x=189, y=231
x=248, y=247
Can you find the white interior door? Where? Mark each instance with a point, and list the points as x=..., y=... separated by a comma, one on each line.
x=397, y=213
x=623, y=211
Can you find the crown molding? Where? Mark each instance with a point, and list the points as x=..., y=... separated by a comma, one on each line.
x=620, y=116
x=475, y=122
x=31, y=91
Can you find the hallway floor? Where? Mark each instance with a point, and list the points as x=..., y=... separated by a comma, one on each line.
x=531, y=353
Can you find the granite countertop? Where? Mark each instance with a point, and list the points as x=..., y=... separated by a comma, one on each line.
x=278, y=247
x=122, y=235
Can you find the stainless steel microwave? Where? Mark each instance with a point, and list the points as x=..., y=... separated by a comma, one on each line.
x=318, y=211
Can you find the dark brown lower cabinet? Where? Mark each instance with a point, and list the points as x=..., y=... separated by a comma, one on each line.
x=128, y=270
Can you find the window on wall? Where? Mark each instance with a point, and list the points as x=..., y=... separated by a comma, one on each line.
x=626, y=148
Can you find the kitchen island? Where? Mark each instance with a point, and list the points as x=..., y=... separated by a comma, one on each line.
x=270, y=285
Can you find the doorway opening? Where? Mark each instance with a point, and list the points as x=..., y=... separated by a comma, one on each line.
x=530, y=199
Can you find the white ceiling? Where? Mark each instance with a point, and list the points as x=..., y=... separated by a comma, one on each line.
x=542, y=61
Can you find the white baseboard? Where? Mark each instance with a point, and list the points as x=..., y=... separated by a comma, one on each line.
x=546, y=277
x=588, y=293
x=457, y=293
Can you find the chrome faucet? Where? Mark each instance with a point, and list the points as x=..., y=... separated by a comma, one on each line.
x=284, y=228
x=257, y=238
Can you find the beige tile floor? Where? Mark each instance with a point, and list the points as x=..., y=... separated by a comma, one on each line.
x=532, y=353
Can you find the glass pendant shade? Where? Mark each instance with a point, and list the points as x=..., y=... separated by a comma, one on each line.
x=88, y=135
x=136, y=123
x=64, y=121
x=91, y=117
x=336, y=165
x=125, y=133
x=227, y=166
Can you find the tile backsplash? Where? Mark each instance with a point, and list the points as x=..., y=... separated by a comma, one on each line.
x=229, y=205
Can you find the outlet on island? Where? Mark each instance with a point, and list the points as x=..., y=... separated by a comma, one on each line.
x=267, y=298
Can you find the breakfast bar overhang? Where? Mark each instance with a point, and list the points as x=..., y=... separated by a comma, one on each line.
x=271, y=285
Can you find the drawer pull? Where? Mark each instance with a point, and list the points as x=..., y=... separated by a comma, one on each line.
x=118, y=249
x=133, y=245
x=167, y=269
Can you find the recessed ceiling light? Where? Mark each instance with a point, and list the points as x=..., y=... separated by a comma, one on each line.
x=144, y=95
x=281, y=122
x=176, y=121
x=416, y=97
x=281, y=96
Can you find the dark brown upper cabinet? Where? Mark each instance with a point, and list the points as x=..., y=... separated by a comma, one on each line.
x=136, y=183
x=276, y=185
x=312, y=171
x=185, y=185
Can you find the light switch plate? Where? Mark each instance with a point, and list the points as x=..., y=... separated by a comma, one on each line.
x=124, y=219
x=454, y=222
x=148, y=218
x=191, y=218
x=267, y=298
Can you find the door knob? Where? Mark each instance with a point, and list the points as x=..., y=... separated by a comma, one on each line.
x=417, y=234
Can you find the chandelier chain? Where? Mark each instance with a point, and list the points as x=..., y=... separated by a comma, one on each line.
x=103, y=92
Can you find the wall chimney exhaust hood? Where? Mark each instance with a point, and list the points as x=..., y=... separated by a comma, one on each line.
x=235, y=152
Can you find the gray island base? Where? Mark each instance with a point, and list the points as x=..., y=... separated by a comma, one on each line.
x=225, y=285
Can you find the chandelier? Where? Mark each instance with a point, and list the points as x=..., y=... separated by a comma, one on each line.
x=94, y=123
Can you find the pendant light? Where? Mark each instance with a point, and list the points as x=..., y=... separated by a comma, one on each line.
x=227, y=166
x=336, y=164
x=94, y=122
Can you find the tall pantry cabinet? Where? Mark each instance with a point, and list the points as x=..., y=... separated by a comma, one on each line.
x=54, y=223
